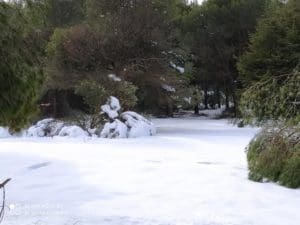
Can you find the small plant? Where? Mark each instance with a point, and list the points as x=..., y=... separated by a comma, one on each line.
x=290, y=175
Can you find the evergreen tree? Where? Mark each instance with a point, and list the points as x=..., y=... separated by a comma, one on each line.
x=217, y=32
x=271, y=66
x=20, y=74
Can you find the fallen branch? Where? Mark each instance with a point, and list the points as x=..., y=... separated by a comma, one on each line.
x=4, y=183
x=2, y=186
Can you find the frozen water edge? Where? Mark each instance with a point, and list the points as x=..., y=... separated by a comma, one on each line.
x=193, y=172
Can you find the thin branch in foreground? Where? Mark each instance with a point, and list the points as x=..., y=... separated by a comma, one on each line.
x=2, y=186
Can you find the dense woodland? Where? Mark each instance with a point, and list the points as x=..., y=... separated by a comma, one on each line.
x=63, y=59
x=60, y=57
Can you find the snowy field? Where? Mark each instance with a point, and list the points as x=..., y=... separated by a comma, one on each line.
x=194, y=172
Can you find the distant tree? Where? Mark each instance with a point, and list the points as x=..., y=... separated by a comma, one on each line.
x=217, y=32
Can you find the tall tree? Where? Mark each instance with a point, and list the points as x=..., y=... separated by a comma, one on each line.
x=271, y=66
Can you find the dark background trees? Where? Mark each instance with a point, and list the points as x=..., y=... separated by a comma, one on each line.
x=270, y=68
x=154, y=55
x=217, y=33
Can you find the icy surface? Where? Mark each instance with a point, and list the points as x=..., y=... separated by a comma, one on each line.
x=193, y=172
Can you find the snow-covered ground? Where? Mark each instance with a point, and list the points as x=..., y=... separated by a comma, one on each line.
x=193, y=172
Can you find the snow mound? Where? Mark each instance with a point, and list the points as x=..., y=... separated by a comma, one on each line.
x=126, y=125
x=51, y=127
x=137, y=125
x=45, y=128
x=72, y=131
x=112, y=107
x=4, y=133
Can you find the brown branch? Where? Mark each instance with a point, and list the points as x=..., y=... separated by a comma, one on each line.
x=4, y=183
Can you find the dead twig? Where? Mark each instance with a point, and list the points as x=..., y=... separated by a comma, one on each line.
x=2, y=186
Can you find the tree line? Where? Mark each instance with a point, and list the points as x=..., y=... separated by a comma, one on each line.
x=61, y=58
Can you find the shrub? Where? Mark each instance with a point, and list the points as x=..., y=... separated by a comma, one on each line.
x=274, y=154
x=290, y=175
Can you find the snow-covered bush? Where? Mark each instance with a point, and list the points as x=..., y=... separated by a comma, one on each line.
x=111, y=108
x=274, y=155
x=115, y=129
x=126, y=125
x=51, y=127
x=45, y=128
x=72, y=131
x=137, y=125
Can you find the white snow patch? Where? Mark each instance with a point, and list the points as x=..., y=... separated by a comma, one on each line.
x=188, y=100
x=112, y=107
x=194, y=171
x=73, y=131
x=114, y=77
x=138, y=125
x=178, y=68
x=168, y=88
x=115, y=129
x=45, y=128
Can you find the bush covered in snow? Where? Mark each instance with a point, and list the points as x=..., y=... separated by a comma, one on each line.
x=50, y=128
x=137, y=125
x=125, y=125
x=118, y=125
x=274, y=155
x=45, y=128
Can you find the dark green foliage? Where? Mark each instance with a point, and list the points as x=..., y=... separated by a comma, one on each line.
x=275, y=46
x=50, y=14
x=217, y=32
x=275, y=98
x=96, y=94
x=130, y=39
x=274, y=155
x=270, y=69
x=20, y=75
x=290, y=175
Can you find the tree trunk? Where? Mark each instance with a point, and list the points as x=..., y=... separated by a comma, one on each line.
x=196, y=109
x=218, y=98
x=205, y=99
x=227, y=101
